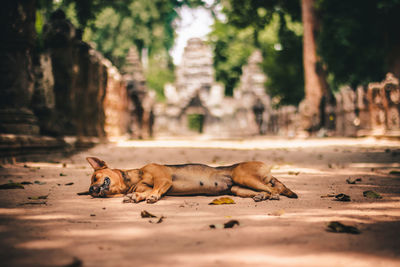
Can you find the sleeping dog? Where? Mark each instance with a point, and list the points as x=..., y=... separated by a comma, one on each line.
x=152, y=181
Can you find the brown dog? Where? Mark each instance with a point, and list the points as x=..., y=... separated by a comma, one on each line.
x=151, y=182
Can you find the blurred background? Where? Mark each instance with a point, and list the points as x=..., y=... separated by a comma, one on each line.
x=80, y=71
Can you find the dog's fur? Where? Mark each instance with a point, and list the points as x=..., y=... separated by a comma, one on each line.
x=151, y=182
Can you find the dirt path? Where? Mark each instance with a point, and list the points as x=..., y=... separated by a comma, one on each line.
x=288, y=232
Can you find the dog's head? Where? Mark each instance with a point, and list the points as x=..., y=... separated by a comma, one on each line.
x=105, y=182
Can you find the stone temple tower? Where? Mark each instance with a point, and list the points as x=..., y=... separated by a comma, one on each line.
x=196, y=70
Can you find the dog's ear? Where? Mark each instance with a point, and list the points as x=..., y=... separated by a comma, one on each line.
x=96, y=163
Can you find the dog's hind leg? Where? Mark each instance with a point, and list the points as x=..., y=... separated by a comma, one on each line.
x=248, y=193
x=257, y=176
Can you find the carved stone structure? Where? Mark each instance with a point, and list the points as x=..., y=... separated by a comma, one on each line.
x=254, y=103
x=363, y=121
x=195, y=95
x=116, y=103
x=16, y=76
x=345, y=112
x=141, y=109
x=197, y=103
x=196, y=70
x=376, y=108
x=88, y=97
x=391, y=103
x=359, y=113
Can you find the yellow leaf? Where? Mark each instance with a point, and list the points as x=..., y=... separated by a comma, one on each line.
x=221, y=201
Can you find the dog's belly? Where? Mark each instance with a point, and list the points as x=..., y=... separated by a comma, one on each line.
x=195, y=184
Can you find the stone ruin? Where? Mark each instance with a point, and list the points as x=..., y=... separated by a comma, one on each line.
x=346, y=124
x=142, y=99
x=370, y=111
x=68, y=89
x=196, y=102
x=16, y=75
x=384, y=106
x=253, y=104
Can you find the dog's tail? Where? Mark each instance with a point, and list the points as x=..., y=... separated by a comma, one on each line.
x=282, y=189
x=289, y=193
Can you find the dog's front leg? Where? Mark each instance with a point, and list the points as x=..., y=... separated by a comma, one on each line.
x=141, y=192
x=161, y=186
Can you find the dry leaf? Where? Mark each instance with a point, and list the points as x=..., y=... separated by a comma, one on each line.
x=353, y=180
x=146, y=214
x=229, y=224
x=328, y=195
x=221, y=201
x=337, y=227
x=371, y=194
x=38, y=197
x=160, y=220
x=33, y=203
x=11, y=185
x=342, y=197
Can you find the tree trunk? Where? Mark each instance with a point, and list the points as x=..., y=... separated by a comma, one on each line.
x=315, y=82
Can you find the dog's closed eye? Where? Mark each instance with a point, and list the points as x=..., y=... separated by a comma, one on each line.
x=272, y=183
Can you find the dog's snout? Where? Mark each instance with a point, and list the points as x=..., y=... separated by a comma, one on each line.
x=94, y=189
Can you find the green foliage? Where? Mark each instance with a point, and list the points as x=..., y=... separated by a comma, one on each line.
x=195, y=122
x=231, y=50
x=112, y=27
x=356, y=39
x=283, y=60
x=271, y=26
x=158, y=74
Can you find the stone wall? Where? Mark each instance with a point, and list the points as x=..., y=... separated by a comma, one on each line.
x=16, y=69
x=370, y=111
x=65, y=88
x=77, y=92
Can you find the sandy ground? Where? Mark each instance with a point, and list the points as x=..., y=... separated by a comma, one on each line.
x=72, y=230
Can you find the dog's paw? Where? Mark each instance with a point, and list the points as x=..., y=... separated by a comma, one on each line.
x=260, y=197
x=128, y=198
x=274, y=197
x=152, y=199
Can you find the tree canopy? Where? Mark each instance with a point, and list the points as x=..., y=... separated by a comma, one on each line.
x=357, y=40
x=115, y=26
x=272, y=26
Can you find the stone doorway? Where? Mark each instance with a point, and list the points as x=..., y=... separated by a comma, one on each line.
x=195, y=122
